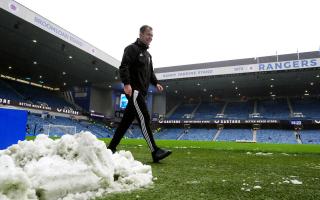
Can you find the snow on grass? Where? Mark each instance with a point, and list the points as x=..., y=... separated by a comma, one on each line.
x=289, y=179
x=257, y=187
x=73, y=167
x=193, y=182
x=296, y=182
x=286, y=181
x=263, y=154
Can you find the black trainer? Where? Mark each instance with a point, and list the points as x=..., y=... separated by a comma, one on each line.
x=160, y=154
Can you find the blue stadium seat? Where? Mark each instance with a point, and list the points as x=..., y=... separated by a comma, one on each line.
x=276, y=136
x=134, y=131
x=310, y=136
x=271, y=109
x=309, y=107
x=239, y=110
x=8, y=93
x=169, y=134
x=33, y=94
x=182, y=110
x=199, y=134
x=208, y=110
x=235, y=134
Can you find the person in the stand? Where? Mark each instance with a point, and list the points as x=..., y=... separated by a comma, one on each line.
x=28, y=129
x=136, y=72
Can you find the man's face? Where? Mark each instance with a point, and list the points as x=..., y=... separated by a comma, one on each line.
x=146, y=36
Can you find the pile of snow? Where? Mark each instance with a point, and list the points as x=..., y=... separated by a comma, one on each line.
x=73, y=167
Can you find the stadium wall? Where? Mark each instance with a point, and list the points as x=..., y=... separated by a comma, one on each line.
x=102, y=101
x=159, y=104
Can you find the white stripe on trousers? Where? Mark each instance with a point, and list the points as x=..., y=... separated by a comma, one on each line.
x=143, y=125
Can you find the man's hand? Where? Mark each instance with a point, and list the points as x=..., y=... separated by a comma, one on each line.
x=128, y=89
x=159, y=87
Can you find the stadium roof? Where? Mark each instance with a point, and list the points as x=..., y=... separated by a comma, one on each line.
x=294, y=82
x=36, y=49
x=244, y=61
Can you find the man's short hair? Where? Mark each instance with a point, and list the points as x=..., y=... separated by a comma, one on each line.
x=144, y=28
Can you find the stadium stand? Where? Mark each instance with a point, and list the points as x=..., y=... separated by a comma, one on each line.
x=24, y=92
x=169, y=134
x=36, y=125
x=7, y=92
x=263, y=136
x=278, y=108
x=197, y=134
x=276, y=136
x=239, y=110
x=208, y=110
x=310, y=136
x=183, y=110
x=134, y=132
x=309, y=107
x=274, y=108
x=267, y=108
x=235, y=134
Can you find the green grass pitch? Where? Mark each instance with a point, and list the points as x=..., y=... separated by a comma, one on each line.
x=228, y=170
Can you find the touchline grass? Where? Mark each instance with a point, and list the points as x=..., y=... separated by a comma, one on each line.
x=228, y=170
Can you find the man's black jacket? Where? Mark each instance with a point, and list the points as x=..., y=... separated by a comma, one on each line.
x=136, y=67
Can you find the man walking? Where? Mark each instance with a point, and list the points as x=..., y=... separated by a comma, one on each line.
x=136, y=72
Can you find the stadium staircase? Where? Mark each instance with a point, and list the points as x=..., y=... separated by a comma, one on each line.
x=297, y=135
x=168, y=115
x=195, y=109
x=69, y=98
x=182, y=134
x=217, y=134
x=224, y=107
x=289, y=106
x=254, y=135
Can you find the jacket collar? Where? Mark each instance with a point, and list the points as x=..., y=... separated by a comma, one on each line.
x=141, y=44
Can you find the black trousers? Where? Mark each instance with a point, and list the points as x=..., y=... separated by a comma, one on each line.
x=136, y=108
